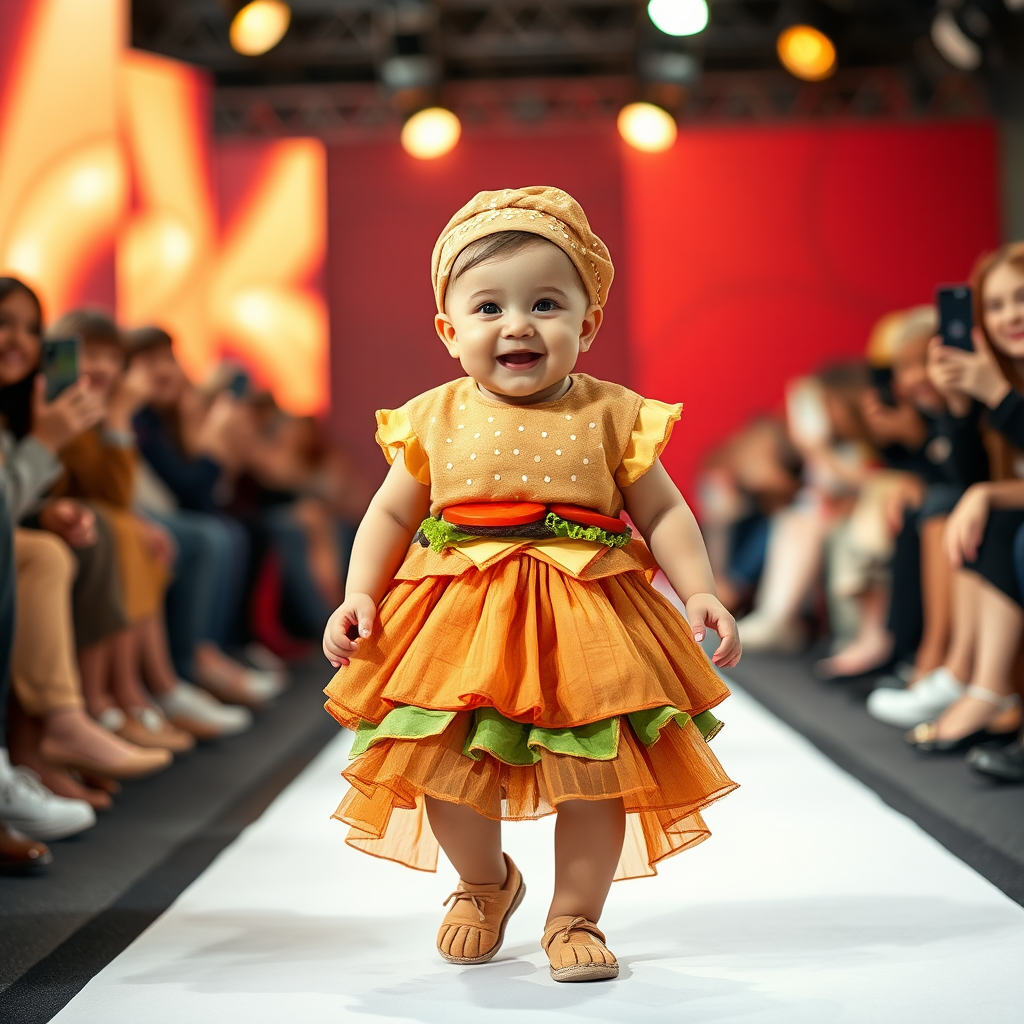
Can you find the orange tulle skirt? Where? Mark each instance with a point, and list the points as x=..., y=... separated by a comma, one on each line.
x=542, y=647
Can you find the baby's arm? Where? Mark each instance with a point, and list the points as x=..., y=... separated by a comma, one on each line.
x=393, y=516
x=664, y=519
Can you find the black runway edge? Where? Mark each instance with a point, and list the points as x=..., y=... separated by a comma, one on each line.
x=51, y=982
x=978, y=821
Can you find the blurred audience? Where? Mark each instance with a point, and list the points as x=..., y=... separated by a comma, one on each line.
x=122, y=573
x=899, y=534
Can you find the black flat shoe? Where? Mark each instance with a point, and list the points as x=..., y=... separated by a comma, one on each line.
x=924, y=738
x=1003, y=763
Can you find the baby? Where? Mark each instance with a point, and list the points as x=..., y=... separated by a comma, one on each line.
x=515, y=661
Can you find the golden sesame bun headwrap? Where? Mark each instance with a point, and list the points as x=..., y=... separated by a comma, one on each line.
x=539, y=209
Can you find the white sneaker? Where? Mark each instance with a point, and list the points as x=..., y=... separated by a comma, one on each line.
x=264, y=686
x=922, y=702
x=200, y=713
x=267, y=661
x=28, y=806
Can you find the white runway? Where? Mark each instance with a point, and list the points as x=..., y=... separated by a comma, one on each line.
x=812, y=903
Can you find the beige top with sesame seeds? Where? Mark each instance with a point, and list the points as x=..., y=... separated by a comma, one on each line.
x=582, y=449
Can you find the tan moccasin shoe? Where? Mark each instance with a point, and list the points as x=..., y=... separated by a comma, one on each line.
x=576, y=949
x=473, y=930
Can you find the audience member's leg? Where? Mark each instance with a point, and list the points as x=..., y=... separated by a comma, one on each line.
x=44, y=672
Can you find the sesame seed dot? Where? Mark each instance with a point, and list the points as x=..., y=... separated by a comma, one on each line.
x=461, y=407
x=558, y=451
x=496, y=452
x=473, y=456
x=490, y=419
x=592, y=425
x=524, y=479
x=515, y=451
x=536, y=458
x=521, y=427
x=449, y=465
x=547, y=479
x=469, y=481
x=543, y=433
x=448, y=439
x=572, y=437
x=586, y=462
x=497, y=476
x=568, y=416
x=476, y=435
x=573, y=478
x=497, y=433
x=433, y=419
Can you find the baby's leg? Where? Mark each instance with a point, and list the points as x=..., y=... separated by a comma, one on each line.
x=470, y=841
x=588, y=841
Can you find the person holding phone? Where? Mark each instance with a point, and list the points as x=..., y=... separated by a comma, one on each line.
x=32, y=433
x=984, y=535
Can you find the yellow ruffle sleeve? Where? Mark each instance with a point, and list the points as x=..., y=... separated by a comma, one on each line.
x=651, y=432
x=394, y=435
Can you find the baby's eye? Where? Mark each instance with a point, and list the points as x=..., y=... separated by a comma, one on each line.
x=545, y=305
x=489, y=308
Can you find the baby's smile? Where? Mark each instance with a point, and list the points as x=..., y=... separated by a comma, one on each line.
x=521, y=360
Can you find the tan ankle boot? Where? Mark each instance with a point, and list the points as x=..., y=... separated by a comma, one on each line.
x=473, y=930
x=576, y=949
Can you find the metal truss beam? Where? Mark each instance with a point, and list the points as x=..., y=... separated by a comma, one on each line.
x=359, y=112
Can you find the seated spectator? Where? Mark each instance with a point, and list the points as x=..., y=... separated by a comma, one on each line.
x=827, y=428
x=985, y=531
x=43, y=666
x=179, y=486
x=100, y=467
x=750, y=478
x=307, y=500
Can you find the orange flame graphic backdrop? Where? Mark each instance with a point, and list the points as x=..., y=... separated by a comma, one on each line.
x=106, y=149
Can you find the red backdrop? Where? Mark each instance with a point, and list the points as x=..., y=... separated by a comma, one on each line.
x=743, y=257
x=759, y=254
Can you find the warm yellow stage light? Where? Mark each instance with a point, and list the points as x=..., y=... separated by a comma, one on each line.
x=431, y=133
x=260, y=26
x=806, y=53
x=647, y=127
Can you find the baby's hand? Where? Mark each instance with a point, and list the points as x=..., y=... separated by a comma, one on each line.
x=351, y=621
x=705, y=611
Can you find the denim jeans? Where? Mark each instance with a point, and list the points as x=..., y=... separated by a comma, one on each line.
x=202, y=603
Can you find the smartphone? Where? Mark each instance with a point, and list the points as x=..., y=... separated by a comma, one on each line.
x=956, y=316
x=881, y=381
x=60, y=364
x=239, y=385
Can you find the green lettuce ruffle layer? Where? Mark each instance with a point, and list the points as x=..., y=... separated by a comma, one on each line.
x=518, y=743
x=441, y=534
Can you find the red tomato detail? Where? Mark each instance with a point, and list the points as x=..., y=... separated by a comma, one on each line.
x=588, y=517
x=494, y=513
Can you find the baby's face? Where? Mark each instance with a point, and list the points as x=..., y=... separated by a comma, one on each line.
x=518, y=324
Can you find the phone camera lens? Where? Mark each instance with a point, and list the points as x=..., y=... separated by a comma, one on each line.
x=957, y=329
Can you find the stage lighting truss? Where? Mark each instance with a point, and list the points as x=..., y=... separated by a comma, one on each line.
x=359, y=112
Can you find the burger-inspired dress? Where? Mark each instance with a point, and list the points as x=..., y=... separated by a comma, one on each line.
x=521, y=656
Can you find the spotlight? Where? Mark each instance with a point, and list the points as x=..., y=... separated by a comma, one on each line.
x=431, y=133
x=806, y=53
x=679, y=17
x=647, y=127
x=953, y=43
x=259, y=26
